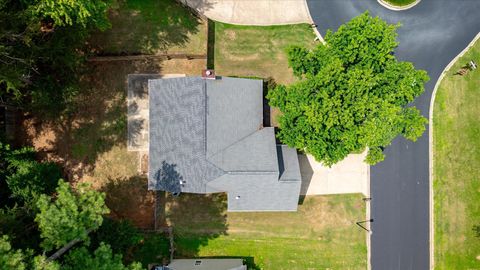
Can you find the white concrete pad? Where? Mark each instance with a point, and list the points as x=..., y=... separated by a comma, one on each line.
x=351, y=175
x=253, y=12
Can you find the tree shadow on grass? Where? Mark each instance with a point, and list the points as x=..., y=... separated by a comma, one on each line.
x=196, y=219
x=98, y=122
x=129, y=199
x=147, y=26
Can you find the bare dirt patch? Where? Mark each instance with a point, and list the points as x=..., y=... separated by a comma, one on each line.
x=91, y=142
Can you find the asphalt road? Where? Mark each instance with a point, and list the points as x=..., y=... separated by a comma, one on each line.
x=432, y=34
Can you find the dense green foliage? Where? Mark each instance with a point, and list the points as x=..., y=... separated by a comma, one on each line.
x=22, y=180
x=40, y=207
x=25, y=177
x=73, y=12
x=72, y=214
x=22, y=260
x=102, y=259
x=80, y=258
x=120, y=235
x=42, y=46
x=353, y=94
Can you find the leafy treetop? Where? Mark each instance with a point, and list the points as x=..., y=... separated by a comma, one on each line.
x=102, y=259
x=353, y=94
x=72, y=215
x=22, y=260
x=73, y=12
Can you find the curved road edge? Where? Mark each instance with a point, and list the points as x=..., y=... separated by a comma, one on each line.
x=397, y=8
x=430, y=145
x=315, y=30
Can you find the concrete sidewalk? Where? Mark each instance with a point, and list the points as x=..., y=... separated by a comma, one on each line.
x=253, y=12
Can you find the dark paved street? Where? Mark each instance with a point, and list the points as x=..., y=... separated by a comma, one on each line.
x=432, y=34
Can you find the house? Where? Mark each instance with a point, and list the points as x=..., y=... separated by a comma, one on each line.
x=207, y=136
x=204, y=264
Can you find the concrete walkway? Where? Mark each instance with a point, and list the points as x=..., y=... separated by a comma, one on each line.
x=350, y=175
x=253, y=12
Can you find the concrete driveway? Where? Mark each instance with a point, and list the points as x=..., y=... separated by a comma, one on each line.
x=350, y=175
x=253, y=12
x=433, y=33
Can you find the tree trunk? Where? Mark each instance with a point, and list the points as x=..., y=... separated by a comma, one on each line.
x=65, y=248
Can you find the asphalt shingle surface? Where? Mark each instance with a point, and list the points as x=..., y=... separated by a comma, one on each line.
x=207, y=136
x=432, y=34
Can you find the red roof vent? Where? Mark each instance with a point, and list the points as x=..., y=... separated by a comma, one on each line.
x=208, y=74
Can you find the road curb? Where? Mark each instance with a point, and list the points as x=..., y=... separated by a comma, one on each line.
x=397, y=8
x=430, y=144
x=368, y=217
x=315, y=30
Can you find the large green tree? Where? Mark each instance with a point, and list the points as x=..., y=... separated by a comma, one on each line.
x=353, y=94
x=73, y=12
x=102, y=259
x=70, y=216
x=22, y=260
x=42, y=49
x=79, y=258
x=25, y=177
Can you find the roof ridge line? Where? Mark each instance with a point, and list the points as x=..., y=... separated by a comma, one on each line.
x=232, y=144
x=251, y=172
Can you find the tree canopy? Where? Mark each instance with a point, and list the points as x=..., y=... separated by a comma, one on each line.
x=22, y=260
x=65, y=217
x=42, y=49
x=353, y=94
x=73, y=12
x=102, y=259
x=26, y=178
x=71, y=215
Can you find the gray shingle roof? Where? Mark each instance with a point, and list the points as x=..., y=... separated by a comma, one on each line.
x=177, y=147
x=206, y=136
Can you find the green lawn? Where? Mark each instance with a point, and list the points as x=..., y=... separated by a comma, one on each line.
x=321, y=235
x=400, y=2
x=258, y=51
x=151, y=26
x=457, y=167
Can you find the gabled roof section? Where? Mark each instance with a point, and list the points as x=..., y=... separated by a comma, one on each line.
x=288, y=163
x=177, y=147
x=258, y=192
x=234, y=111
x=254, y=153
x=207, y=136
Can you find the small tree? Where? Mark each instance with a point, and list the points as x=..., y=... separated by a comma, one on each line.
x=353, y=94
x=71, y=216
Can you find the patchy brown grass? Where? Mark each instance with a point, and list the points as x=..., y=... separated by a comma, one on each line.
x=151, y=27
x=91, y=142
x=258, y=51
